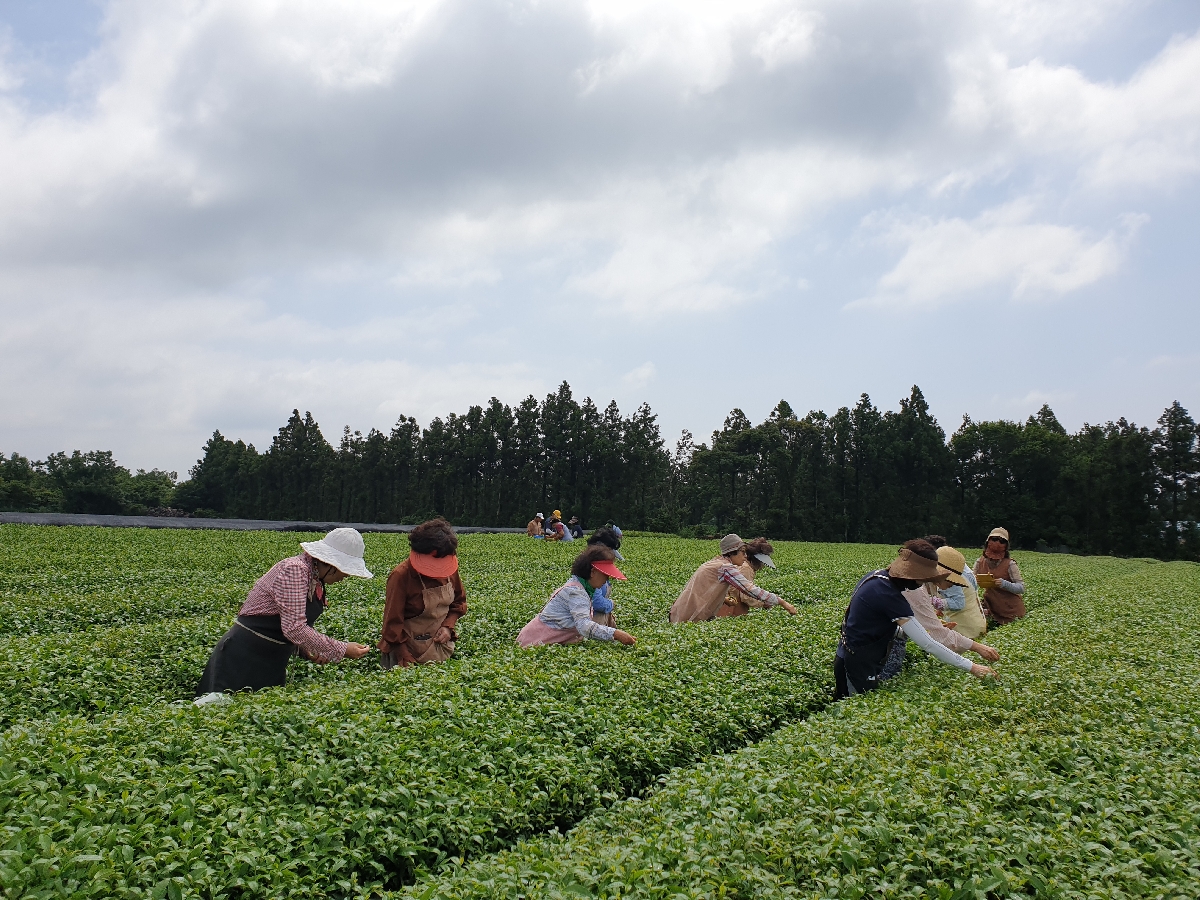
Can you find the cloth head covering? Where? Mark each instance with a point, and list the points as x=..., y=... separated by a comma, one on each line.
x=914, y=567
x=539, y=516
x=609, y=568
x=955, y=562
x=731, y=543
x=342, y=548
x=558, y=514
x=765, y=560
x=433, y=566
x=1000, y=533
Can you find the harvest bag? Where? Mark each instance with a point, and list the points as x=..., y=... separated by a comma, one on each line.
x=253, y=654
x=421, y=645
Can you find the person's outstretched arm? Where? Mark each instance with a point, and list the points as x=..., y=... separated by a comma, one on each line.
x=919, y=636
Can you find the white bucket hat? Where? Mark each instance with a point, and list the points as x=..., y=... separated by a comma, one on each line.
x=342, y=548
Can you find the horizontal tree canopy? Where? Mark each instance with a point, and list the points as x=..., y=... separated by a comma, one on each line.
x=861, y=474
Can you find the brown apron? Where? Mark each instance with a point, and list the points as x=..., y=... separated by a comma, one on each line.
x=1003, y=606
x=421, y=645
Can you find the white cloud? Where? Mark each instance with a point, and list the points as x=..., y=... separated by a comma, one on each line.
x=789, y=40
x=230, y=173
x=641, y=376
x=948, y=260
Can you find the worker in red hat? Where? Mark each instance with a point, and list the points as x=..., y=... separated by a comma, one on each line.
x=425, y=599
x=567, y=616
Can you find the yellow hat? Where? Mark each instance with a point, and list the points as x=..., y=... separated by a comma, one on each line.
x=558, y=514
x=955, y=562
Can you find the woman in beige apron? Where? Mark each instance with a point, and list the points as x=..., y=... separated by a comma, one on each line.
x=425, y=599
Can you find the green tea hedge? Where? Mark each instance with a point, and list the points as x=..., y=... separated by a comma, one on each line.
x=1076, y=775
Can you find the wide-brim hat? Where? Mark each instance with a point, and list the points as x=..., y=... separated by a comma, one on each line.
x=765, y=560
x=433, y=566
x=1000, y=533
x=342, y=548
x=558, y=514
x=914, y=567
x=954, y=562
x=731, y=543
x=609, y=568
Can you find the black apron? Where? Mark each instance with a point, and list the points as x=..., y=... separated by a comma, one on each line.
x=856, y=669
x=253, y=654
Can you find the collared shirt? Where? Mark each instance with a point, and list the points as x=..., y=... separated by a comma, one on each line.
x=571, y=607
x=283, y=592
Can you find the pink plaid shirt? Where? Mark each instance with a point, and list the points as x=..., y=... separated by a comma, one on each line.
x=283, y=592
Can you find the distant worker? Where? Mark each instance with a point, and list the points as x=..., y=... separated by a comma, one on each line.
x=758, y=556
x=425, y=599
x=997, y=573
x=554, y=529
x=536, y=526
x=705, y=593
x=879, y=614
x=567, y=618
x=276, y=621
x=608, y=535
x=575, y=527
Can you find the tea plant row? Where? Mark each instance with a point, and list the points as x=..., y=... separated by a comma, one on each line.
x=1074, y=776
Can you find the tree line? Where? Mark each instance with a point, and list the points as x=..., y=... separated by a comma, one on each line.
x=861, y=474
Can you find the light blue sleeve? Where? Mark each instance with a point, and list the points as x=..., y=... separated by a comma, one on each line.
x=601, y=601
x=954, y=596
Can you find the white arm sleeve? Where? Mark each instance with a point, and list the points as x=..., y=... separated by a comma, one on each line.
x=916, y=631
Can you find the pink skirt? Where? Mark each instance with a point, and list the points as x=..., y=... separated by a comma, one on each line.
x=538, y=632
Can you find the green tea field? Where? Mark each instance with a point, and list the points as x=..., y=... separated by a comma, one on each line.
x=707, y=761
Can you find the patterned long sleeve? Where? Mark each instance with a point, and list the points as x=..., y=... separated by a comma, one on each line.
x=734, y=578
x=283, y=592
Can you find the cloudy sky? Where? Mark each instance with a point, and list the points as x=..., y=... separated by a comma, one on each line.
x=214, y=211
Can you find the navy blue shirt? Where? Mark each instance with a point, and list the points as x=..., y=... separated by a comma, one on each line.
x=874, y=608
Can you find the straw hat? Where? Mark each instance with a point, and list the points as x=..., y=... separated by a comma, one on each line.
x=731, y=543
x=913, y=567
x=342, y=548
x=949, y=558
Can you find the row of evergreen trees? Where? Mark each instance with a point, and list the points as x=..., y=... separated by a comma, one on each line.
x=861, y=474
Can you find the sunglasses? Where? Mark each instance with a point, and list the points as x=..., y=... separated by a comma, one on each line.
x=998, y=540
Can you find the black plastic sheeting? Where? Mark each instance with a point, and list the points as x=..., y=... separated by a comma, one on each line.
x=226, y=524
